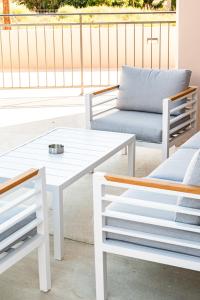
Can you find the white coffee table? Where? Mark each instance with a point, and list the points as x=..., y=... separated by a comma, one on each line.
x=84, y=151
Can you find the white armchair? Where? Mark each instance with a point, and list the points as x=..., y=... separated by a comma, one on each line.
x=23, y=223
x=159, y=120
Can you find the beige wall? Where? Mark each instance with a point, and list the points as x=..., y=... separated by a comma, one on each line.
x=188, y=19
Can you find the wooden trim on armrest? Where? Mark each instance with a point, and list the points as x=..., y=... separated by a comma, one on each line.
x=155, y=183
x=12, y=183
x=105, y=90
x=189, y=90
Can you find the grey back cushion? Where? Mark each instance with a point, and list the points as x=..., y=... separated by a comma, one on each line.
x=192, y=177
x=144, y=89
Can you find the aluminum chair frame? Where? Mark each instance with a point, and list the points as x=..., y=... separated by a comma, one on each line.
x=171, y=136
x=35, y=181
x=103, y=245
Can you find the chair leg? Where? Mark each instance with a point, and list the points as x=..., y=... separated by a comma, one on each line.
x=101, y=275
x=44, y=267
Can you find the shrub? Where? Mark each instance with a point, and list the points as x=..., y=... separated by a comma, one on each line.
x=42, y=5
x=77, y=3
x=120, y=3
x=173, y=5
x=136, y=3
x=85, y=3
x=148, y=4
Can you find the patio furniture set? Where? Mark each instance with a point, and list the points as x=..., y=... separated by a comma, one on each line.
x=84, y=151
x=156, y=218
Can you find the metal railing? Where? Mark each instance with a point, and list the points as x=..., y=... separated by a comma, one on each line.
x=83, y=49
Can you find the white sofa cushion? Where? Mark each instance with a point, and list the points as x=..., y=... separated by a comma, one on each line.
x=141, y=227
x=146, y=126
x=192, y=177
x=144, y=89
x=175, y=167
x=8, y=215
x=193, y=142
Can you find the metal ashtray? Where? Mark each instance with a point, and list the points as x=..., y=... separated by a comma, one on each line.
x=56, y=149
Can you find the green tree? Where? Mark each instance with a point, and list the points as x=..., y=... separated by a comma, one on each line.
x=84, y=3
x=77, y=3
x=120, y=3
x=99, y=2
x=136, y=3
x=149, y=4
x=173, y=5
x=42, y=5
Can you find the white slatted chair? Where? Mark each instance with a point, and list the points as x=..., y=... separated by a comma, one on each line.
x=171, y=243
x=23, y=223
x=159, y=119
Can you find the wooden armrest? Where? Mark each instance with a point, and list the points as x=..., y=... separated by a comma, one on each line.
x=105, y=90
x=186, y=92
x=12, y=183
x=155, y=183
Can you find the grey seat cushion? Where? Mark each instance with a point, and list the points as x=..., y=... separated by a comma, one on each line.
x=193, y=142
x=146, y=228
x=174, y=168
x=9, y=214
x=144, y=89
x=192, y=177
x=146, y=126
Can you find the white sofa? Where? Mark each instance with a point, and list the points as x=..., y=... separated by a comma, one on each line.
x=149, y=220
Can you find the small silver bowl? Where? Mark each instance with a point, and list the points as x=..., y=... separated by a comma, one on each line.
x=56, y=149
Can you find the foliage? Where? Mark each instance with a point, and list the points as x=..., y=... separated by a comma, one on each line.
x=136, y=3
x=99, y=3
x=77, y=3
x=173, y=5
x=43, y=18
x=149, y=4
x=86, y=3
x=53, y=5
x=43, y=5
x=120, y=3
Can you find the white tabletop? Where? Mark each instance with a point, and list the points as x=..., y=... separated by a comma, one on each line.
x=84, y=150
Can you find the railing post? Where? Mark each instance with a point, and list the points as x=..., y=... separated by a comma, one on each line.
x=81, y=51
x=6, y=11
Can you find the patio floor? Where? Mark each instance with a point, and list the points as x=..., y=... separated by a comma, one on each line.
x=73, y=278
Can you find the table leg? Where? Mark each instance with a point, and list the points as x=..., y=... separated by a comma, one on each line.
x=131, y=159
x=58, y=227
x=124, y=151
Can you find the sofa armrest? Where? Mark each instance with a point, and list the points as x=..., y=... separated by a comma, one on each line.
x=102, y=91
x=187, y=92
x=154, y=184
x=180, y=121
x=12, y=183
x=89, y=114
